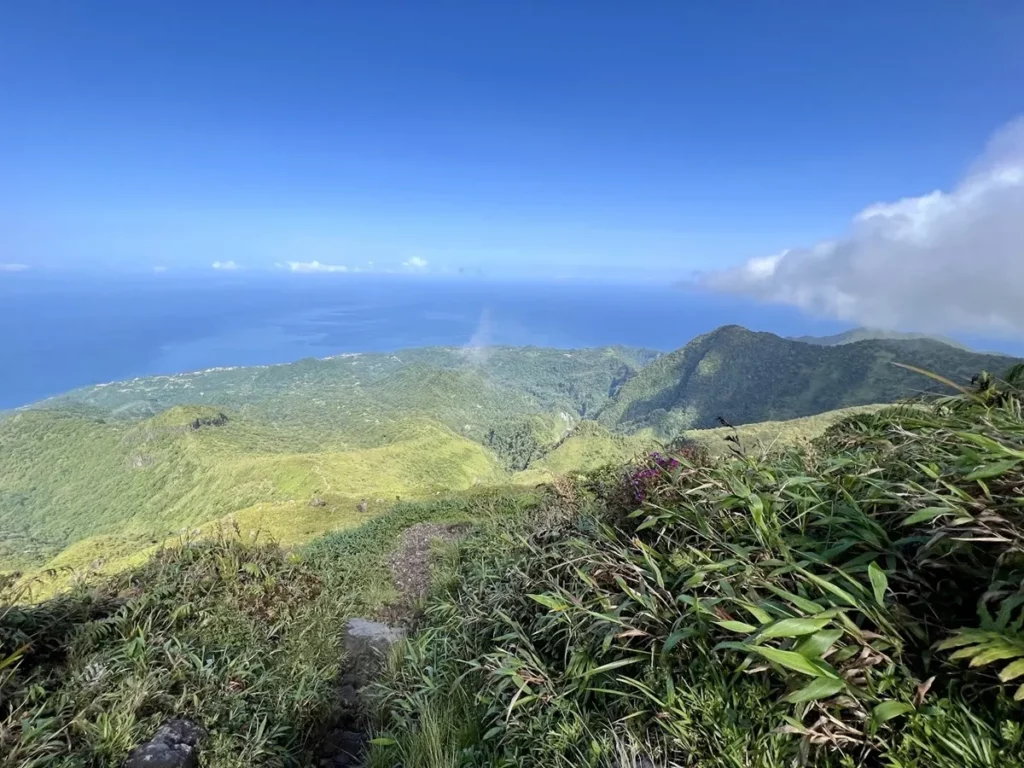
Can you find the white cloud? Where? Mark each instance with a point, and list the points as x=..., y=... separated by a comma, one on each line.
x=314, y=266
x=944, y=261
x=229, y=265
x=415, y=263
x=13, y=267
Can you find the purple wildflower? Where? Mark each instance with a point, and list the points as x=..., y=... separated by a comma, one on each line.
x=641, y=478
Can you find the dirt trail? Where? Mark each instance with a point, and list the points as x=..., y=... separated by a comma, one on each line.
x=345, y=744
x=410, y=567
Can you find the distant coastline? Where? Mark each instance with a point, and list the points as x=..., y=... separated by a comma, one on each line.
x=107, y=332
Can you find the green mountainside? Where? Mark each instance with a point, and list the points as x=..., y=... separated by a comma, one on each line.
x=112, y=470
x=106, y=474
x=854, y=601
x=454, y=385
x=867, y=334
x=742, y=377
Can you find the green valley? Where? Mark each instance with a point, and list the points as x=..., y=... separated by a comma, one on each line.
x=102, y=476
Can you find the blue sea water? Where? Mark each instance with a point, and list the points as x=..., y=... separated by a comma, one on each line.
x=60, y=333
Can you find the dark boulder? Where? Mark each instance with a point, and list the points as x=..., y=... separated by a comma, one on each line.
x=199, y=422
x=343, y=748
x=174, y=745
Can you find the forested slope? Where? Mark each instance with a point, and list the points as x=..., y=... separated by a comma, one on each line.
x=742, y=377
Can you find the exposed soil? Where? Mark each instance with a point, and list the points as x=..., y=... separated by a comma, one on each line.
x=410, y=566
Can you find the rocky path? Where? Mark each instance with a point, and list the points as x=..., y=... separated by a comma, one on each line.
x=367, y=641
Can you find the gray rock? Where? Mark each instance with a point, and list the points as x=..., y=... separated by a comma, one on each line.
x=366, y=642
x=174, y=745
x=363, y=636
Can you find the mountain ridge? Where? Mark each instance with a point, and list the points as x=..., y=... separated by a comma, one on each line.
x=746, y=376
x=863, y=333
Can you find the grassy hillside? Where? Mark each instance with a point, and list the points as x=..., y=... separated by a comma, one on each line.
x=65, y=477
x=746, y=377
x=242, y=637
x=853, y=603
x=766, y=436
x=589, y=446
x=78, y=490
x=113, y=470
x=109, y=472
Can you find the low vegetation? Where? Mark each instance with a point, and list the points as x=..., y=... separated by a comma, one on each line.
x=229, y=630
x=857, y=602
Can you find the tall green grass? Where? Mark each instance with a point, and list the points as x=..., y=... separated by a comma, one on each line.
x=858, y=602
x=244, y=638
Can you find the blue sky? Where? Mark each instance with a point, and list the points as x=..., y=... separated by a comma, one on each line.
x=529, y=138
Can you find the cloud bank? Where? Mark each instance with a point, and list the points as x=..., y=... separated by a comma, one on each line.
x=944, y=261
x=228, y=265
x=13, y=267
x=314, y=266
x=415, y=263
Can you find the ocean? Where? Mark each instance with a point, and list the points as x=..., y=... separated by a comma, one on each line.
x=60, y=333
